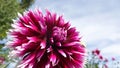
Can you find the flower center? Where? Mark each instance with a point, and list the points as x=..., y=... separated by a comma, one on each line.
x=59, y=34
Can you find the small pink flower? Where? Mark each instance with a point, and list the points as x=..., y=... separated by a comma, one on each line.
x=105, y=66
x=2, y=59
x=46, y=41
x=106, y=60
x=96, y=52
x=93, y=52
x=113, y=59
x=100, y=57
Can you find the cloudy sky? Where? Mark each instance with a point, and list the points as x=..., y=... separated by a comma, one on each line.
x=98, y=21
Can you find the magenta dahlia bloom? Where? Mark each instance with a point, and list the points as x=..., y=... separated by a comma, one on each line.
x=45, y=41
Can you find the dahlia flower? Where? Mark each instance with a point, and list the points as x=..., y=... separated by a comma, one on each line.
x=45, y=41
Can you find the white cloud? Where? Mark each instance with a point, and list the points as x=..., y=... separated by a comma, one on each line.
x=100, y=26
x=113, y=49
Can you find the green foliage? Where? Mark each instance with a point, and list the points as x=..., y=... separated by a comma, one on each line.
x=26, y=3
x=88, y=65
x=8, y=11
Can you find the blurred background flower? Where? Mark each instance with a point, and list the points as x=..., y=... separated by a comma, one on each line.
x=100, y=61
x=2, y=59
